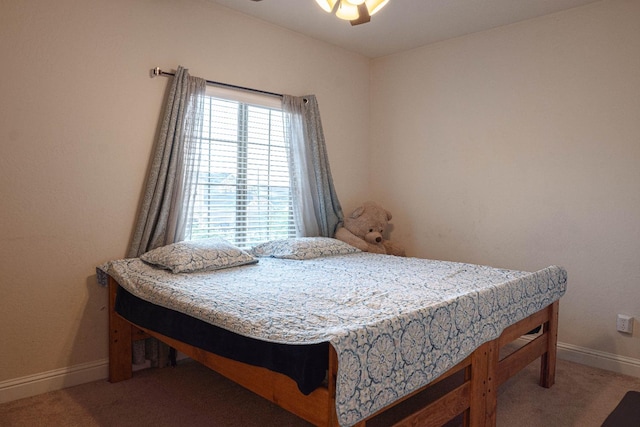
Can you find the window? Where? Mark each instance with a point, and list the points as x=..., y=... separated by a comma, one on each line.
x=242, y=191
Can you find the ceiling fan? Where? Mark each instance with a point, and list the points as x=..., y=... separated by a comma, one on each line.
x=355, y=11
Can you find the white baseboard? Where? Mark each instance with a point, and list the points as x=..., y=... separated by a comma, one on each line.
x=599, y=359
x=57, y=379
x=596, y=359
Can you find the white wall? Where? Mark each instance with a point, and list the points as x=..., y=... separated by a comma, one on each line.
x=516, y=147
x=78, y=117
x=520, y=147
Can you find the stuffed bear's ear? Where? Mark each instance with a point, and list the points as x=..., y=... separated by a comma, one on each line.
x=388, y=215
x=357, y=212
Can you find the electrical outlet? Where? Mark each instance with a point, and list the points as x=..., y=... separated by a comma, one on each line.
x=625, y=323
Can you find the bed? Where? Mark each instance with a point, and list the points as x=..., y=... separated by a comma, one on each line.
x=369, y=330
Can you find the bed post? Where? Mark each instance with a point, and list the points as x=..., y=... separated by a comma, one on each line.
x=484, y=397
x=119, y=340
x=548, y=359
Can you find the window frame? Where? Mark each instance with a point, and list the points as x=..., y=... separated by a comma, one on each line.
x=243, y=233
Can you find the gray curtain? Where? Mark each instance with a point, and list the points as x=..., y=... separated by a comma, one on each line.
x=168, y=197
x=316, y=206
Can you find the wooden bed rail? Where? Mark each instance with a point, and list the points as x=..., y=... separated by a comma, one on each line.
x=543, y=346
x=476, y=397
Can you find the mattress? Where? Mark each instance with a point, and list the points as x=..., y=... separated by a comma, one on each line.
x=396, y=323
x=305, y=364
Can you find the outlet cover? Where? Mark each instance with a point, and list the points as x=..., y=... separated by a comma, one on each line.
x=625, y=323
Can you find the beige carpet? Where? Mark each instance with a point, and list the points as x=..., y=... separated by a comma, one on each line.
x=195, y=396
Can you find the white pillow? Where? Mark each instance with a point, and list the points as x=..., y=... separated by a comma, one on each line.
x=303, y=248
x=198, y=255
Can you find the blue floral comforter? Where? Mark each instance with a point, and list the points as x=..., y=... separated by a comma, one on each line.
x=396, y=323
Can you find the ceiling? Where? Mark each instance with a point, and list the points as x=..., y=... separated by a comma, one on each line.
x=401, y=24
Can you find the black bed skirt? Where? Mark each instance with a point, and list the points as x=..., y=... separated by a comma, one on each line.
x=305, y=364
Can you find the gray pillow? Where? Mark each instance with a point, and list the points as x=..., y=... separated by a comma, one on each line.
x=303, y=248
x=198, y=255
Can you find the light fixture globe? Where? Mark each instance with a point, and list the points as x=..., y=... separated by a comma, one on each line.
x=347, y=11
x=327, y=5
x=375, y=5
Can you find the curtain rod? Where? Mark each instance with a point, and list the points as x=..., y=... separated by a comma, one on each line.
x=158, y=72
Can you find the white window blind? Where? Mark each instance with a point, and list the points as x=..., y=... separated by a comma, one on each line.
x=242, y=191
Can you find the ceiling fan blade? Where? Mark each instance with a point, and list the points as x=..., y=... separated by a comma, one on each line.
x=363, y=15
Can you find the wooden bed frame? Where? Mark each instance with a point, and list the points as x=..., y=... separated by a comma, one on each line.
x=484, y=371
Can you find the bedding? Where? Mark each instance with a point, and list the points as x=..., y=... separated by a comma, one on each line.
x=395, y=323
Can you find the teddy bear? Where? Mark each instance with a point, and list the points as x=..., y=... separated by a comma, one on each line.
x=364, y=229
